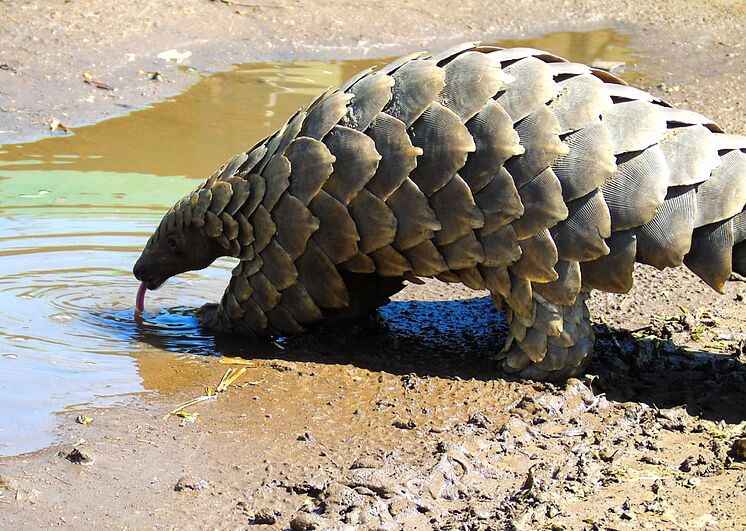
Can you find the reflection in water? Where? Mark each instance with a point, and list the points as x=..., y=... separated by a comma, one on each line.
x=225, y=113
x=76, y=210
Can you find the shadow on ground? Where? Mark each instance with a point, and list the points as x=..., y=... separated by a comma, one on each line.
x=459, y=339
x=661, y=373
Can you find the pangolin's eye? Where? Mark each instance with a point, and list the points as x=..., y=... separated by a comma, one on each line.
x=172, y=243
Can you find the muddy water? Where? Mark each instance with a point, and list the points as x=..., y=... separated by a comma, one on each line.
x=76, y=209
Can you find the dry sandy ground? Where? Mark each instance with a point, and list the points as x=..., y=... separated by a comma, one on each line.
x=408, y=427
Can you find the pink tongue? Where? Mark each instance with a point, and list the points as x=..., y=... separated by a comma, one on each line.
x=140, y=299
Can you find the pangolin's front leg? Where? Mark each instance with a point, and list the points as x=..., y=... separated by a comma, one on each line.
x=302, y=226
x=366, y=292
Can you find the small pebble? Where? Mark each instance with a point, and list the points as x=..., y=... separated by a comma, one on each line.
x=185, y=483
x=7, y=483
x=264, y=517
x=738, y=449
x=303, y=522
x=80, y=456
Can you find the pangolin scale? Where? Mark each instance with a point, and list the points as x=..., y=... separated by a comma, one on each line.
x=510, y=170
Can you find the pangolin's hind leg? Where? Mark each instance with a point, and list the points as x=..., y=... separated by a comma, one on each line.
x=550, y=330
x=554, y=343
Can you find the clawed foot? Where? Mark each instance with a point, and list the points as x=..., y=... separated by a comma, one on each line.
x=208, y=316
x=557, y=364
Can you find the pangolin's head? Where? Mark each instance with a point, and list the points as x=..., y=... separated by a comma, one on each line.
x=197, y=230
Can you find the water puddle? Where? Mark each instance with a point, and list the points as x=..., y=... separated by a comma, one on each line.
x=76, y=210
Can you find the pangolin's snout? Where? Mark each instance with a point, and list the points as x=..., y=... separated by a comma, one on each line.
x=137, y=270
x=144, y=274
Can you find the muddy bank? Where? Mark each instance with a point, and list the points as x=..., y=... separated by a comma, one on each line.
x=47, y=47
x=366, y=434
x=406, y=425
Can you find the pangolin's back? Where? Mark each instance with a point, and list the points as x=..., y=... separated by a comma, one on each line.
x=511, y=170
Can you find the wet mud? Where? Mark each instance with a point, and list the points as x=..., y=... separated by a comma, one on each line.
x=399, y=422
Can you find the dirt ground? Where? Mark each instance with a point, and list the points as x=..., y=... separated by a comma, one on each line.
x=404, y=425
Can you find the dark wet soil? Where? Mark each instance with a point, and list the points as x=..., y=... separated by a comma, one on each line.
x=401, y=423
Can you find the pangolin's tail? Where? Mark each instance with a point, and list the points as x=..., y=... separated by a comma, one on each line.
x=640, y=181
x=677, y=195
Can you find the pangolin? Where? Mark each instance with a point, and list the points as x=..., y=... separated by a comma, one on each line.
x=510, y=170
